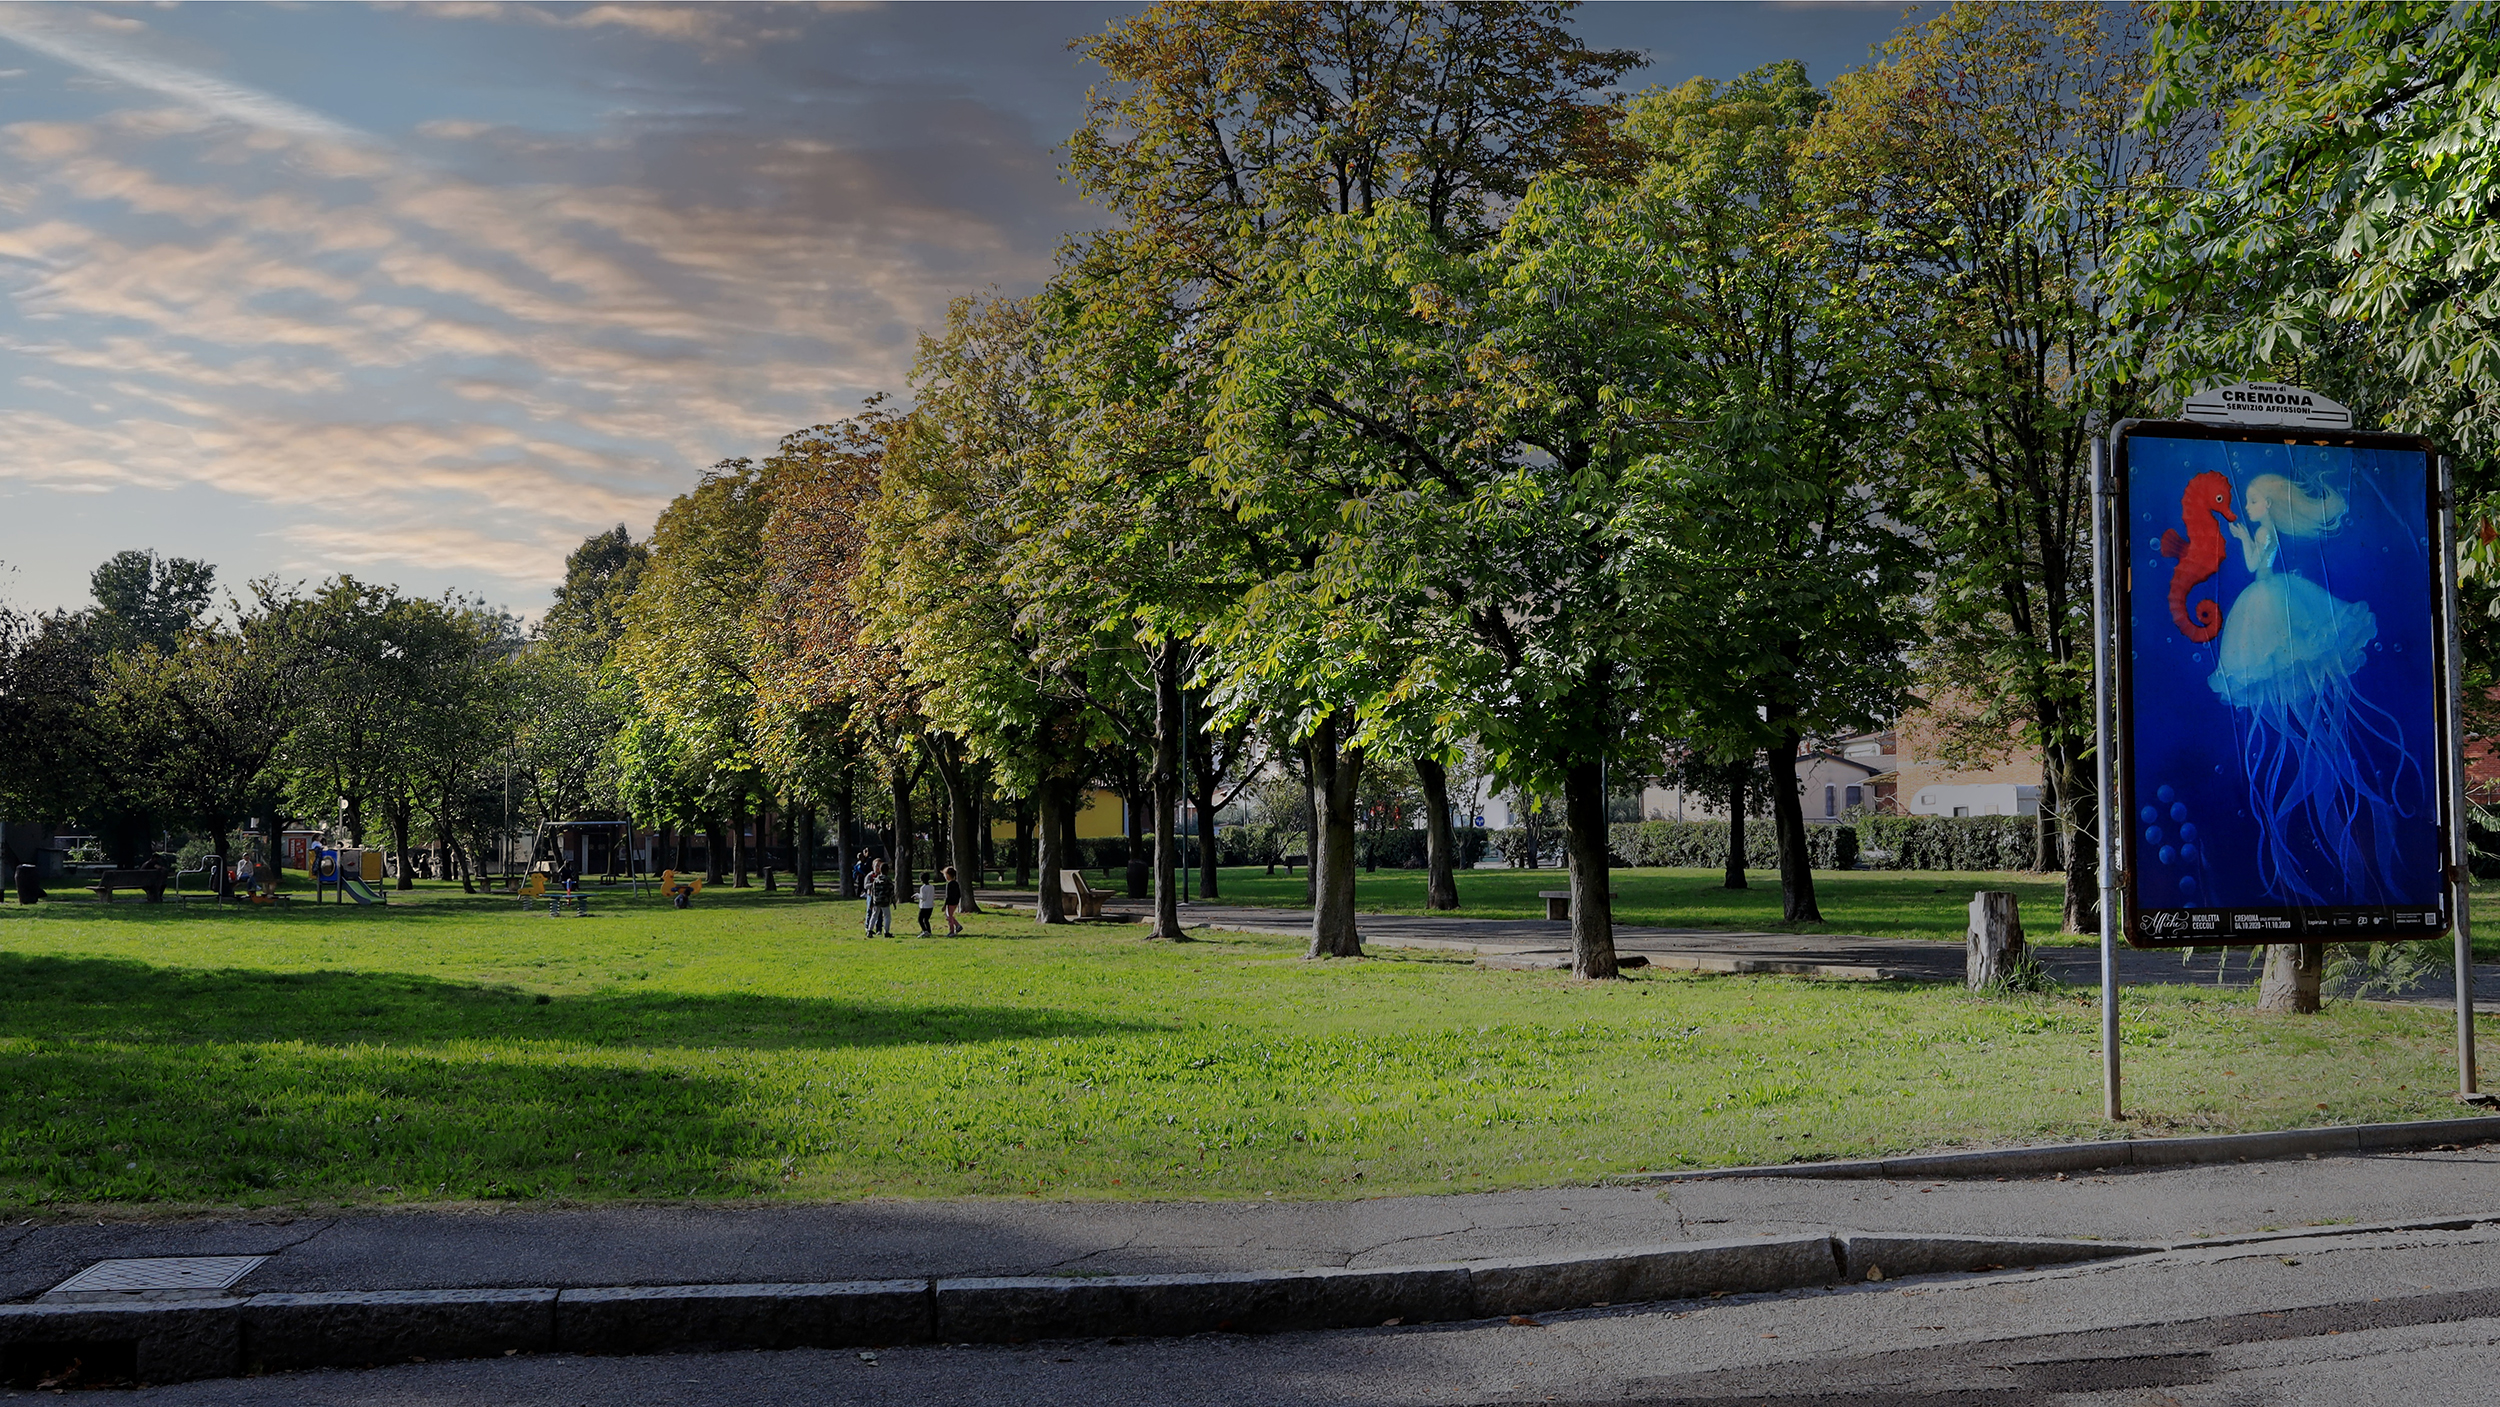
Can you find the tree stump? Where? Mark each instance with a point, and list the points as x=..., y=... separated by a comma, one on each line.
x=2291, y=980
x=1995, y=938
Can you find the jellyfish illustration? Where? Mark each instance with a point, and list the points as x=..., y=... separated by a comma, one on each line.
x=2285, y=665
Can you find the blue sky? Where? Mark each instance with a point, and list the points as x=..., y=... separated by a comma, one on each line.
x=427, y=293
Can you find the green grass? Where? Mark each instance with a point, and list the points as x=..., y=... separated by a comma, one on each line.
x=1877, y=903
x=757, y=1047
x=1881, y=903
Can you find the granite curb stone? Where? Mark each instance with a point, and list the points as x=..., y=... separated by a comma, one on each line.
x=2114, y=1153
x=1891, y=1255
x=173, y=1340
x=342, y=1328
x=673, y=1318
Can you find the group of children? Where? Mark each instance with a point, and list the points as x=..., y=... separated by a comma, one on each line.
x=877, y=884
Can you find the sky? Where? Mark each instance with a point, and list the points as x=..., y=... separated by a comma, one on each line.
x=425, y=294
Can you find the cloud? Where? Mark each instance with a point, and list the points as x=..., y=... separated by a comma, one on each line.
x=56, y=34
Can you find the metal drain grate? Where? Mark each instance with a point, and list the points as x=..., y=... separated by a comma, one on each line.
x=161, y=1275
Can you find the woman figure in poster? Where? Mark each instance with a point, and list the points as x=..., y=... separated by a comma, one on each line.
x=2285, y=664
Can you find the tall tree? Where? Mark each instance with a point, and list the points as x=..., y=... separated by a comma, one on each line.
x=1226, y=126
x=1992, y=152
x=1774, y=549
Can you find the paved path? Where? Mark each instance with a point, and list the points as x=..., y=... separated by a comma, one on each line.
x=879, y=1239
x=1539, y=943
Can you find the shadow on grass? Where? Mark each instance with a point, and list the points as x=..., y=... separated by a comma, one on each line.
x=123, y=1000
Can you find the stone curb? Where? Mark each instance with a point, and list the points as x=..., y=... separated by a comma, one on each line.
x=2115, y=1153
x=164, y=1341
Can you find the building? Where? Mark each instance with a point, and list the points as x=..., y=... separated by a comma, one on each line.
x=1892, y=773
x=1102, y=815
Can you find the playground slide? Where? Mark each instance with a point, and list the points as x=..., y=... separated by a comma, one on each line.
x=360, y=891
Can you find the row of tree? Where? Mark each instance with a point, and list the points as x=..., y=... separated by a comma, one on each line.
x=1425, y=400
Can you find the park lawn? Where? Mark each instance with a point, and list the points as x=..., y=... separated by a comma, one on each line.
x=757, y=1047
x=1878, y=903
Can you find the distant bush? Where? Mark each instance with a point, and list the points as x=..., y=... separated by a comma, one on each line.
x=1389, y=849
x=1948, y=842
x=1703, y=844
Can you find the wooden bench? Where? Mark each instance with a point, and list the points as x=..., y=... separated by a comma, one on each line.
x=1088, y=898
x=1558, y=902
x=148, y=882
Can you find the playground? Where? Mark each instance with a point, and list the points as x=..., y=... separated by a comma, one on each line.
x=456, y=1048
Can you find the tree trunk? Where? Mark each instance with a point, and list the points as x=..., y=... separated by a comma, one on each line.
x=1440, y=838
x=1584, y=846
x=1071, y=850
x=845, y=839
x=2044, y=853
x=1024, y=841
x=1788, y=823
x=713, y=844
x=898, y=862
x=1736, y=776
x=401, y=825
x=1165, y=784
x=2078, y=823
x=766, y=817
x=2291, y=981
x=1994, y=941
x=803, y=839
x=957, y=773
x=1335, y=776
x=1204, y=825
x=738, y=841
x=968, y=836
x=1310, y=832
x=1049, y=904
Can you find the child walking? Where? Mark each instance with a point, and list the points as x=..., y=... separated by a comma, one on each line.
x=880, y=901
x=928, y=900
x=954, y=901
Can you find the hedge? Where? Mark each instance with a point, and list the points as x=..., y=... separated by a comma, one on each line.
x=1388, y=850
x=1703, y=844
x=1948, y=842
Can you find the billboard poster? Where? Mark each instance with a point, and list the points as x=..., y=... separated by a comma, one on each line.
x=2279, y=685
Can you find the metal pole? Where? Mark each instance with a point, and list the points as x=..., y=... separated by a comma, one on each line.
x=2460, y=880
x=2104, y=735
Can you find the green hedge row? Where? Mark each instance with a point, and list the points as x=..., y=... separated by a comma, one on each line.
x=1948, y=842
x=1703, y=844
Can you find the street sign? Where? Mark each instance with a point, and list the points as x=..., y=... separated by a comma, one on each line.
x=2266, y=403
x=2280, y=677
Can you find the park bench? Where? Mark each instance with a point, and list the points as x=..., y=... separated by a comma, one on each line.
x=148, y=882
x=1558, y=902
x=1088, y=898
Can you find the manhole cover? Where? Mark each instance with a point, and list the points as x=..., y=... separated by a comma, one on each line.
x=161, y=1276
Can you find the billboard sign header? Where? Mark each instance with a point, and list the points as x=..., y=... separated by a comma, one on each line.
x=2266, y=403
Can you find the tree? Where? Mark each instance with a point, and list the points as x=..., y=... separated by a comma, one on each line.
x=686, y=646
x=1773, y=549
x=145, y=599
x=217, y=706
x=1227, y=126
x=587, y=617
x=1991, y=151
x=934, y=587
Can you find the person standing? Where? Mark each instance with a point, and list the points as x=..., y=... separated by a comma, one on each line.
x=928, y=900
x=880, y=901
x=954, y=901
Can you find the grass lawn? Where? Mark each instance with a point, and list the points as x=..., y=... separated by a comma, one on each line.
x=1879, y=903
x=455, y=1048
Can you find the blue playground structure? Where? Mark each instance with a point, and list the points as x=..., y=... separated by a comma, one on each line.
x=351, y=874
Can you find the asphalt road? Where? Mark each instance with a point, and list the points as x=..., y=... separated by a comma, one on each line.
x=2337, y=1317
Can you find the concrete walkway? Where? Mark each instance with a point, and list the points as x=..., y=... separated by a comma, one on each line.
x=1539, y=943
x=882, y=1239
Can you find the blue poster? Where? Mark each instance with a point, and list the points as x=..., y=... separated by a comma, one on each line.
x=2281, y=684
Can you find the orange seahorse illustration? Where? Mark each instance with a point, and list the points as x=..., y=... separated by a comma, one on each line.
x=2199, y=553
